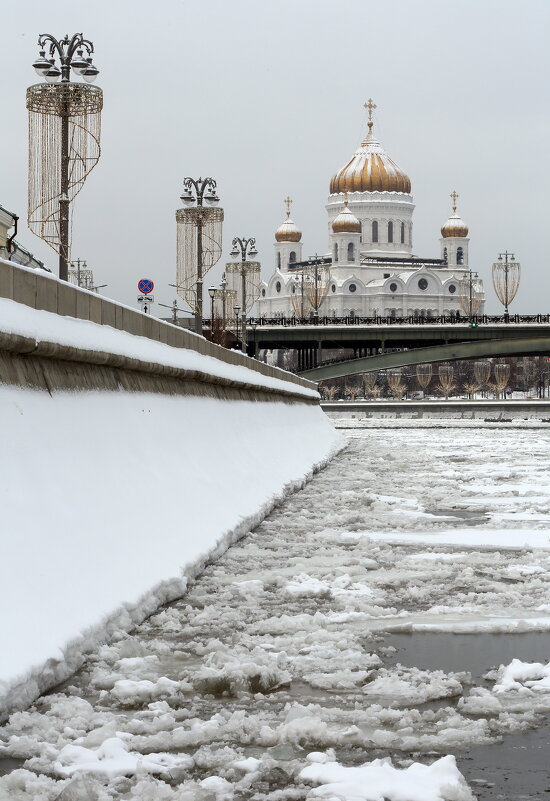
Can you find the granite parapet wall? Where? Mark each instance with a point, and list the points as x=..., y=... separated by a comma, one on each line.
x=39, y=290
x=49, y=365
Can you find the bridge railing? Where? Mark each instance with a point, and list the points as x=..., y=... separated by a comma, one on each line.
x=448, y=319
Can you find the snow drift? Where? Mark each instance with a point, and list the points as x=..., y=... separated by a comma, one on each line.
x=111, y=501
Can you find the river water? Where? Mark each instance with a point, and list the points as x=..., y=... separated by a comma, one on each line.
x=366, y=618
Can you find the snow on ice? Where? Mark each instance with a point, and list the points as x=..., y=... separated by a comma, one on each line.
x=275, y=675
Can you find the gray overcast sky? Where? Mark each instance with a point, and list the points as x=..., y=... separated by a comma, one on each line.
x=267, y=97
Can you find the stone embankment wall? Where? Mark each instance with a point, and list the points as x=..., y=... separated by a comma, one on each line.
x=150, y=451
x=46, y=363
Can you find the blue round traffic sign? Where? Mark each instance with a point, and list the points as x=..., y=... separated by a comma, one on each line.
x=145, y=286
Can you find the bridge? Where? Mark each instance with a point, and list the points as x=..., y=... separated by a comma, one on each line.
x=380, y=343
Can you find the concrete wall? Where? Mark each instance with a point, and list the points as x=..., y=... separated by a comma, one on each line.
x=40, y=291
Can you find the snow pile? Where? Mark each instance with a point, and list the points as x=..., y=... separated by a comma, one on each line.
x=112, y=501
x=441, y=781
x=523, y=677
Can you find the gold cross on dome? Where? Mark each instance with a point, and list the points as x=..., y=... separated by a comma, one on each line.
x=370, y=106
x=288, y=203
x=454, y=196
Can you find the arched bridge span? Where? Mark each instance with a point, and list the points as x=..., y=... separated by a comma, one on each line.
x=533, y=346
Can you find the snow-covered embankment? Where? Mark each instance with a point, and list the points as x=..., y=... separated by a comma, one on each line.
x=112, y=499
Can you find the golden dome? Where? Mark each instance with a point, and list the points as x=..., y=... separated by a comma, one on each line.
x=288, y=231
x=346, y=222
x=455, y=225
x=370, y=170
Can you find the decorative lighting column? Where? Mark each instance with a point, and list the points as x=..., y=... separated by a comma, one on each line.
x=506, y=276
x=470, y=295
x=248, y=270
x=64, y=136
x=199, y=241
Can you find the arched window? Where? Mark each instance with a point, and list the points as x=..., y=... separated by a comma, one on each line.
x=459, y=256
x=278, y=261
x=445, y=256
x=292, y=256
x=351, y=251
x=375, y=230
x=390, y=231
x=335, y=252
x=402, y=233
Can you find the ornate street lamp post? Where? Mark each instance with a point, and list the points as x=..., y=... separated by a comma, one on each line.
x=506, y=275
x=199, y=241
x=64, y=135
x=237, y=309
x=249, y=272
x=212, y=293
x=470, y=295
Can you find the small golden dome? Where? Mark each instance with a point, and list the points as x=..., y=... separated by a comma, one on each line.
x=455, y=225
x=288, y=231
x=346, y=222
x=370, y=170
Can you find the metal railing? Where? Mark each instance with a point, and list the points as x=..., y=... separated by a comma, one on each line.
x=355, y=320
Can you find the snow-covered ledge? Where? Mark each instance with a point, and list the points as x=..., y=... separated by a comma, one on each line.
x=114, y=497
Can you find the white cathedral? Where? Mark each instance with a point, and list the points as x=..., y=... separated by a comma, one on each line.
x=372, y=267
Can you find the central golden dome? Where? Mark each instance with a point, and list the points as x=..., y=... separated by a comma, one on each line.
x=370, y=170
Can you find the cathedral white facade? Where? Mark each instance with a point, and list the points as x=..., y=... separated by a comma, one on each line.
x=369, y=269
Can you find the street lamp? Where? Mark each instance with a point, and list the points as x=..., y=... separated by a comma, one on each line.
x=199, y=235
x=237, y=309
x=64, y=136
x=212, y=293
x=506, y=275
x=247, y=269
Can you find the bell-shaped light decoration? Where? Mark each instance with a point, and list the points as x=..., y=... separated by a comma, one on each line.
x=41, y=65
x=211, y=197
x=188, y=197
x=235, y=252
x=79, y=63
x=253, y=251
x=90, y=73
x=53, y=74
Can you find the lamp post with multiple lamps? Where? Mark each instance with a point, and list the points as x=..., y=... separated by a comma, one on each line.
x=244, y=248
x=196, y=193
x=63, y=101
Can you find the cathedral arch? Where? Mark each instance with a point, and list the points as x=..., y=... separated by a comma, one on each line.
x=402, y=233
x=335, y=252
x=351, y=251
x=278, y=261
x=292, y=257
x=375, y=230
x=460, y=255
x=445, y=256
x=390, y=231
